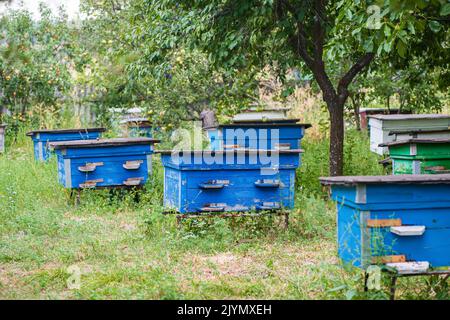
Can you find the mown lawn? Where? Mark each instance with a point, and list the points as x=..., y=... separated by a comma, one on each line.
x=125, y=249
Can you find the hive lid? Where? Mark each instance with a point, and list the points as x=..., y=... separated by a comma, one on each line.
x=136, y=120
x=412, y=131
x=102, y=143
x=408, y=116
x=240, y=151
x=66, y=130
x=378, y=110
x=391, y=179
x=258, y=114
x=279, y=123
x=413, y=141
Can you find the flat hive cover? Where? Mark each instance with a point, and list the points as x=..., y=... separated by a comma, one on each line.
x=66, y=130
x=413, y=131
x=413, y=141
x=391, y=179
x=101, y=143
x=408, y=116
x=137, y=120
x=280, y=123
x=233, y=151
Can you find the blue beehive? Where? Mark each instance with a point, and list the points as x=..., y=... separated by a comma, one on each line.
x=138, y=127
x=393, y=219
x=281, y=135
x=231, y=180
x=41, y=138
x=104, y=163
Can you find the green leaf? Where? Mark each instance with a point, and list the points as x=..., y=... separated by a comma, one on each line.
x=445, y=9
x=411, y=27
x=434, y=26
x=387, y=46
x=387, y=30
x=401, y=49
x=368, y=45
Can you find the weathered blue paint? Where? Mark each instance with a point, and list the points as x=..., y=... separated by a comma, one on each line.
x=235, y=181
x=420, y=203
x=41, y=138
x=261, y=135
x=104, y=163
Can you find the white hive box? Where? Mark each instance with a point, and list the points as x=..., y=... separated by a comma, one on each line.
x=269, y=115
x=381, y=127
x=421, y=134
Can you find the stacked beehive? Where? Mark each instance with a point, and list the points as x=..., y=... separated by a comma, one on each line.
x=42, y=138
x=120, y=162
x=87, y=161
x=401, y=220
x=251, y=167
x=416, y=144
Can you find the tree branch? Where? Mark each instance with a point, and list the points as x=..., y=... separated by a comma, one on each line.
x=318, y=30
x=351, y=74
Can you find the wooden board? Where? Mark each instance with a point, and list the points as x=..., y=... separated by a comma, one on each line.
x=382, y=223
x=389, y=259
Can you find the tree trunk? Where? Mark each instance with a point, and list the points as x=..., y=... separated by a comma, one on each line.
x=336, y=111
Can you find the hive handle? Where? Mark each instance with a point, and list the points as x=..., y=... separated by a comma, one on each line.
x=90, y=183
x=133, y=165
x=407, y=231
x=213, y=207
x=267, y=183
x=214, y=184
x=282, y=146
x=90, y=167
x=133, y=181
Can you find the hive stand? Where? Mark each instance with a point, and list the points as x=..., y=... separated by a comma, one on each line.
x=395, y=275
x=180, y=216
x=75, y=194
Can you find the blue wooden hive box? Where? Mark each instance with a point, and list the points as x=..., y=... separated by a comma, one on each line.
x=393, y=220
x=120, y=162
x=138, y=127
x=41, y=138
x=276, y=135
x=230, y=180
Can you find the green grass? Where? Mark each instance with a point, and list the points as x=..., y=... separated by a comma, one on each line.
x=129, y=250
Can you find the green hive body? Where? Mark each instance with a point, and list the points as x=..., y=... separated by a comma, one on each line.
x=420, y=156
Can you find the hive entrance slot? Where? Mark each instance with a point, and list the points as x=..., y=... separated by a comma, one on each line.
x=437, y=169
x=269, y=206
x=213, y=207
